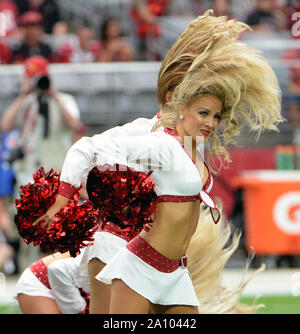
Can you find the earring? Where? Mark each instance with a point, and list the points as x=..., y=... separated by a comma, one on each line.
x=181, y=117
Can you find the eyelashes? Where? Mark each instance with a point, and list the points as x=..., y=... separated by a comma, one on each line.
x=204, y=113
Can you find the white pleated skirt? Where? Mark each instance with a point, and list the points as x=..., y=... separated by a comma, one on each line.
x=158, y=287
x=106, y=245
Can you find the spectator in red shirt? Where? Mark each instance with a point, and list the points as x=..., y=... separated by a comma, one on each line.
x=10, y=13
x=83, y=48
x=5, y=53
x=145, y=14
x=113, y=47
x=32, y=44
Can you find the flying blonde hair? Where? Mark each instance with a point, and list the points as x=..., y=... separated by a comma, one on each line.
x=198, y=35
x=209, y=250
x=240, y=77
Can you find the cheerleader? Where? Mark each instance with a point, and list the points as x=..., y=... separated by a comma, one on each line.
x=53, y=285
x=189, y=45
x=221, y=88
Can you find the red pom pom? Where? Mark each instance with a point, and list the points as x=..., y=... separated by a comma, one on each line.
x=35, y=200
x=124, y=197
x=73, y=225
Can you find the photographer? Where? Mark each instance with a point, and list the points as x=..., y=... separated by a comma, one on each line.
x=48, y=120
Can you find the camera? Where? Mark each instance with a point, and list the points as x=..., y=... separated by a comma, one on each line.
x=15, y=154
x=42, y=83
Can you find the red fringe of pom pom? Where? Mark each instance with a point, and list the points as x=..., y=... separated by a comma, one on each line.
x=73, y=226
x=123, y=196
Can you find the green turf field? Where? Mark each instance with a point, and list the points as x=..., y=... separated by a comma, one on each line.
x=276, y=304
x=9, y=309
x=273, y=305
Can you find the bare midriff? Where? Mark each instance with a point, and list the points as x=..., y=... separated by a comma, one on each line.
x=173, y=227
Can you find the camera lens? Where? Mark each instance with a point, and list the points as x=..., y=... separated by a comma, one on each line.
x=43, y=83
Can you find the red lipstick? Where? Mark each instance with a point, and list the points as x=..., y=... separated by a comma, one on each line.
x=205, y=132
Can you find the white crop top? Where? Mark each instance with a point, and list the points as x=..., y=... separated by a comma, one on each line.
x=175, y=175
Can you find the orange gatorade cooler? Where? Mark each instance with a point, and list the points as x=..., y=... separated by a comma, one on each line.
x=272, y=211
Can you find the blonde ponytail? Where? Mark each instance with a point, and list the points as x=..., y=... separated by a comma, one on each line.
x=208, y=252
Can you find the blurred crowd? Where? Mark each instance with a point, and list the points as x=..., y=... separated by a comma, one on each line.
x=39, y=27
x=36, y=33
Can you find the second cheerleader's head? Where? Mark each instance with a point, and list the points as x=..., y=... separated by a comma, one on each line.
x=228, y=86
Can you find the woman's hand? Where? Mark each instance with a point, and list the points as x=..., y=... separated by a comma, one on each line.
x=48, y=218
